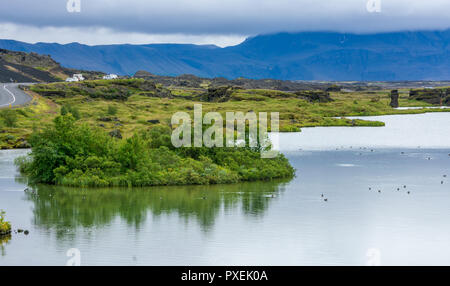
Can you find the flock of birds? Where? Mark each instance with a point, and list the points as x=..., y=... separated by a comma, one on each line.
x=379, y=191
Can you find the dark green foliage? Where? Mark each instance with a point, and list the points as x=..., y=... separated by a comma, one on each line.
x=112, y=110
x=68, y=153
x=9, y=117
x=5, y=226
x=66, y=109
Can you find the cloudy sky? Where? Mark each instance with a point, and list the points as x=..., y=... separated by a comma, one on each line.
x=220, y=22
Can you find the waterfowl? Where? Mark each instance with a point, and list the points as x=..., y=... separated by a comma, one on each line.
x=326, y=200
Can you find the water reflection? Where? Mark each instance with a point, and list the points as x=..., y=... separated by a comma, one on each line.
x=4, y=240
x=63, y=208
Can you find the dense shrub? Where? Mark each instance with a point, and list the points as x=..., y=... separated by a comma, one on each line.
x=9, y=117
x=69, y=153
x=112, y=110
x=5, y=226
x=66, y=109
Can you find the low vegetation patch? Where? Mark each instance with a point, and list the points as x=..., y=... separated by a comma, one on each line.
x=5, y=226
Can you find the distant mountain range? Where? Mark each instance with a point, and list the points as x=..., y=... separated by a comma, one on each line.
x=423, y=55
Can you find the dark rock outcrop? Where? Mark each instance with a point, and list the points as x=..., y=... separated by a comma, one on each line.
x=334, y=88
x=436, y=96
x=218, y=94
x=108, y=119
x=394, y=98
x=314, y=95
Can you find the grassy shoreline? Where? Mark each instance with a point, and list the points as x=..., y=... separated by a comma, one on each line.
x=133, y=105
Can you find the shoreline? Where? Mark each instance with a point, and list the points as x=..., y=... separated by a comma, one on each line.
x=370, y=123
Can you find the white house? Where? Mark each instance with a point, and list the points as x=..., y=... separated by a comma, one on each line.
x=71, y=79
x=111, y=76
x=79, y=76
x=75, y=77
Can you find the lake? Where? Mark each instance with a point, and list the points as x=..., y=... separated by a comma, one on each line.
x=387, y=204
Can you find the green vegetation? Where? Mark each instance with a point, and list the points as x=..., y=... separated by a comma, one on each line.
x=74, y=154
x=66, y=109
x=134, y=105
x=112, y=110
x=5, y=226
x=9, y=117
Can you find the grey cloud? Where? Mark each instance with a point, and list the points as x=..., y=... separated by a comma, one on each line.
x=242, y=17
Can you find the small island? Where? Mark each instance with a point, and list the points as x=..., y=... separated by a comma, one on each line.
x=71, y=153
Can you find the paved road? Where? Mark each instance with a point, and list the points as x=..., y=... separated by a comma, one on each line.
x=10, y=94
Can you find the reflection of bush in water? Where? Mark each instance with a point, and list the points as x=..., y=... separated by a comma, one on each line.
x=67, y=208
x=4, y=240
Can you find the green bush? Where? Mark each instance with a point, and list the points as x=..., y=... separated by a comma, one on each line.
x=66, y=109
x=5, y=226
x=72, y=154
x=9, y=117
x=112, y=110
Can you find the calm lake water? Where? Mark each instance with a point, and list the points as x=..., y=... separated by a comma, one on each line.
x=264, y=223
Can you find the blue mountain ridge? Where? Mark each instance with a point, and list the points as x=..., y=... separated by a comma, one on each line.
x=418, y=55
